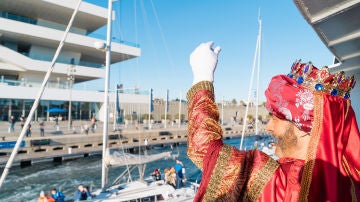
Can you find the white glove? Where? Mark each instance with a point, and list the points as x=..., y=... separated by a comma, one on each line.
x=203, y=62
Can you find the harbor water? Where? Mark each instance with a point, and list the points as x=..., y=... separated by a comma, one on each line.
x=25, y=184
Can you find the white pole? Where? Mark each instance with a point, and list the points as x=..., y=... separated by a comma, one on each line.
x=37, y=100
x=180, y=111
x=257, y=50
x=71, y=79
x=69, y=112
x=131, y=114
x=106, y=96
x=124, y=118
x=115, y=114
x=257, y=83
x=150, y=100
x=166, y=106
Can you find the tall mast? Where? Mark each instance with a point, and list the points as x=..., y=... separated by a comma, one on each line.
x=106, y=95
x=166, y=106
x=257, y=82
x=180, y=110
x=256, y=62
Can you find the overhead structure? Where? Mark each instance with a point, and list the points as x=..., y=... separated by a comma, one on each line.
x=338, y=26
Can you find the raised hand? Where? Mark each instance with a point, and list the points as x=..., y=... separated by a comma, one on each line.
x=203, y=62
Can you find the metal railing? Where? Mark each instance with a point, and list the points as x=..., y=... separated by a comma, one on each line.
x=63, y=85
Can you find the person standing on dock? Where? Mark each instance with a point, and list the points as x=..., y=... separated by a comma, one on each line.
x=12, y=124
x=93, y=124
x=22, y=121
x=315, y=127
x=42, y=128
x=28, y=130
x=86, y=128
x=56, y=123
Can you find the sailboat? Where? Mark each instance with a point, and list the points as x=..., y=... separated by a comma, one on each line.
x=142, y=189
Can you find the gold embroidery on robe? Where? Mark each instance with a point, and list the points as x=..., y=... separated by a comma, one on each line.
x=256, y=184
x=311, y=155
x=229, y=180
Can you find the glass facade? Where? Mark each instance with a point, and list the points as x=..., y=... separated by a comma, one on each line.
x=17, y=108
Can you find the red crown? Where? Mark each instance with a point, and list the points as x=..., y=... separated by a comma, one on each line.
x=311, y=77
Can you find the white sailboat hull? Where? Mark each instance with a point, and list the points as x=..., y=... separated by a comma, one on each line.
x=146, y=191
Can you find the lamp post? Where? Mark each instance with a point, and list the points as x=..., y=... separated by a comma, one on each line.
x=71, y=79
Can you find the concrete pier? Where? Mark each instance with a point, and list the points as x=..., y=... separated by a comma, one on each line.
x=58, y=145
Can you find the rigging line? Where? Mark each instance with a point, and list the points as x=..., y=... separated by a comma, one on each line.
x=258, y=78
x=136, y=59
x=122, y=36
x=127, y=165
x=136, y=41
x=147, y=25
x=256, y=55
x=117, y=15
x=136, y=24
x=118, y=28
x=162, y=35
x=38, y=96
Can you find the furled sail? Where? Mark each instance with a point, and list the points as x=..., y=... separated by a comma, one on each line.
x=118, y=158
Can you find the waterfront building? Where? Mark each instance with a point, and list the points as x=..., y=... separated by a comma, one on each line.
x=30, y=32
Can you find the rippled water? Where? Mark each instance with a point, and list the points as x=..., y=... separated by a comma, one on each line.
x=25, y=184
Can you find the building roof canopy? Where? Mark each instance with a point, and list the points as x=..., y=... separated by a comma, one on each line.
x=338, y=26
x=58, y=11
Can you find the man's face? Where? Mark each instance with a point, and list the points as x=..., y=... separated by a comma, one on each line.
x=81, y=188
x=284, y=132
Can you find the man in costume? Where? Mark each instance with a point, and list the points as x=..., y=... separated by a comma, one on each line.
x=318, y=140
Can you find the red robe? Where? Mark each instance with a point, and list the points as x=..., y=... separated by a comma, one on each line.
x=233, y=175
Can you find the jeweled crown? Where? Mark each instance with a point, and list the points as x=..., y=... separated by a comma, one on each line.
x=311, y=77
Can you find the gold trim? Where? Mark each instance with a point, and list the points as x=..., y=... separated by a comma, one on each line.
x=202, y=85
x=314, y=141
x=261, y=179
x=348, y=104
x=218, y=173
x=348, y=171
x=357, y=172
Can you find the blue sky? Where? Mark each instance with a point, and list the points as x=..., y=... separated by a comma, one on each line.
x=168, y=30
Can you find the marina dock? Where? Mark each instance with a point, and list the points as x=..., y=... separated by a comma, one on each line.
x=60, y=144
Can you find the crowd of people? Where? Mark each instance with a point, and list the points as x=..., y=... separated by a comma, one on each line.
x=81, y=194
x=85, y=127
x=174, y=176
x=22, y=119
x=53, y=196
